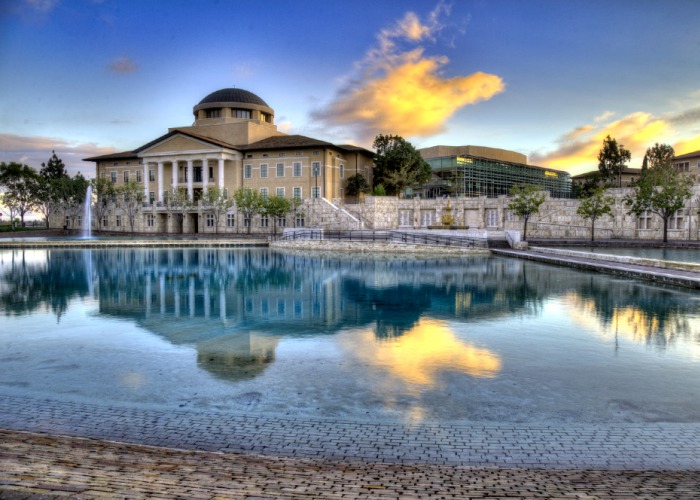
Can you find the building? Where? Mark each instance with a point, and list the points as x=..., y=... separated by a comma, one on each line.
x=232, y=144
x=689, y=164
x=481, y=171
x=626, y=178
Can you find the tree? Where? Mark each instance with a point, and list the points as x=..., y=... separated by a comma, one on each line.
x=70, y=193
x=398, y=164
x=276, y=207
x=54, y=169
x=595, y=206
x=660, y=189
x=103, y=191
x=178, y=203
x=526, y=201
x=21, y=184
x=249, y=202
x=356, y=184
x=130, y=198
x=612, y=159
x=216, y=202
x=659, y=155
x=379, y=190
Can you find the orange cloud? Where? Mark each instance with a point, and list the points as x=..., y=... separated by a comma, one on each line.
x=577, y=150
x=35, y=150
x=404, y=92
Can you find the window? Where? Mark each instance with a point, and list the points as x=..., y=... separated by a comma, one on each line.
x=150, y=220
x=426, y=218
x=644, y=220
x=296, y=193
x=281, y=307
x=676, y=221
x=283, y=154
x=103, y=175
x=282, y=222
x=152, y=197
x=299, y=220
x=265, y=155
x=211, y=174
x=264, y=221
x=280, y=170
x=126, y=176
x=297, y=169
x=264, y=193
x=491, y=217
x=248, y=171
x=298, y=153
x=280, y=192
x=67, y=221
x=115, y=164
x=213, y=113
x=230, y=220
x=241, y=113
x=105, y=221
x=263, y=171
x=114, y=177
x=315, y=169
x=151, y=175
x=246, y=221
x=316, y=153
x=209, y=220
x=118, y=221
x=342, y=171
x=138, y=176
x=315, y=192
x=79, y=220
x=265, y=306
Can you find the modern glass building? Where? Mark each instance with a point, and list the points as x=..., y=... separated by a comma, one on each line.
x=474, y=171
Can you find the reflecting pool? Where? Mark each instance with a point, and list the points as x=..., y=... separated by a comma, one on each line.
x=346, y=336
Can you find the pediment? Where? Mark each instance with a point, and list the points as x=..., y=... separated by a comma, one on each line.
x=180, y=143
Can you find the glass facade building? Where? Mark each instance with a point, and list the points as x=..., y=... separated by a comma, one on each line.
x=473, y=176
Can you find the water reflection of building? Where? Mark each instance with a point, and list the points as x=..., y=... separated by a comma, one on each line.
x=195, y=296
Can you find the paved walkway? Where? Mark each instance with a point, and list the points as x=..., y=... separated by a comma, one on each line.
x=35, y=466
x=677, y=277
x=224, y=454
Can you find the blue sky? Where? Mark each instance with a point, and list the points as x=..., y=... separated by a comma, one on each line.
x=547, y=78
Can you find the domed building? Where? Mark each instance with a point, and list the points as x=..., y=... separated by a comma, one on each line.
x=232, y=144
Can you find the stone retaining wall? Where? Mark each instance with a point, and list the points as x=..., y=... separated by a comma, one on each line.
x=370, y=247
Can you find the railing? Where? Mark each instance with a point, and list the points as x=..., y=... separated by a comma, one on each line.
x=415, y=238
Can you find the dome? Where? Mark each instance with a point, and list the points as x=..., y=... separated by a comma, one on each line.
x=233, y=95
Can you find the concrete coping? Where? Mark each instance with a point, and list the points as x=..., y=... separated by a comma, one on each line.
x=622, y=259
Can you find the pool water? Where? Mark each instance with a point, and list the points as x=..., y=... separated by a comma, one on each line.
x=346, y=336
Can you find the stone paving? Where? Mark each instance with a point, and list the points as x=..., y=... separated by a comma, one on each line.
x=257, y=456
x=36, y=466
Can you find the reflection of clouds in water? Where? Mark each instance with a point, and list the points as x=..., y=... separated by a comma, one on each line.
x=633, y=323
x=422, y=353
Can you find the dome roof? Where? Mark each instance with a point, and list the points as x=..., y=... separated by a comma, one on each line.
x=234, y=95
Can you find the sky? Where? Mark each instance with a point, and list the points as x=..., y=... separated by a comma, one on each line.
x=546, y=78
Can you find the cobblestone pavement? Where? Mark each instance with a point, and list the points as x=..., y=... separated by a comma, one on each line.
x=206, y=454
x=37, y=466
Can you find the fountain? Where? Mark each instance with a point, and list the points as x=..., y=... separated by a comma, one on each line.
x=87, y=214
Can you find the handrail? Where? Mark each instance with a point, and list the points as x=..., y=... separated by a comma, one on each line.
x=387, y=236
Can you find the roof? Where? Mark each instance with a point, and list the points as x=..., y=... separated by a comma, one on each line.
x=687, y=155
x=176, y=131
x=234, y=95
x=113, y=156
x=298, y=141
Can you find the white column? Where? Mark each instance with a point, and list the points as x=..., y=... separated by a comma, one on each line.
x=190, y=177
x=145, y=181
x=205, y=174
x=161, y=291
x=191, y=297
x=221, y=174
x=147, y=298
x=160, y=181
x=222, y=305
x=175, y=172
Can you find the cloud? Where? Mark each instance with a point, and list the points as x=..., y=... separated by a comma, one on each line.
x=400, y=90
x=577, y=150
x=122, y=65
x=42, y=6
x=35, y=150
